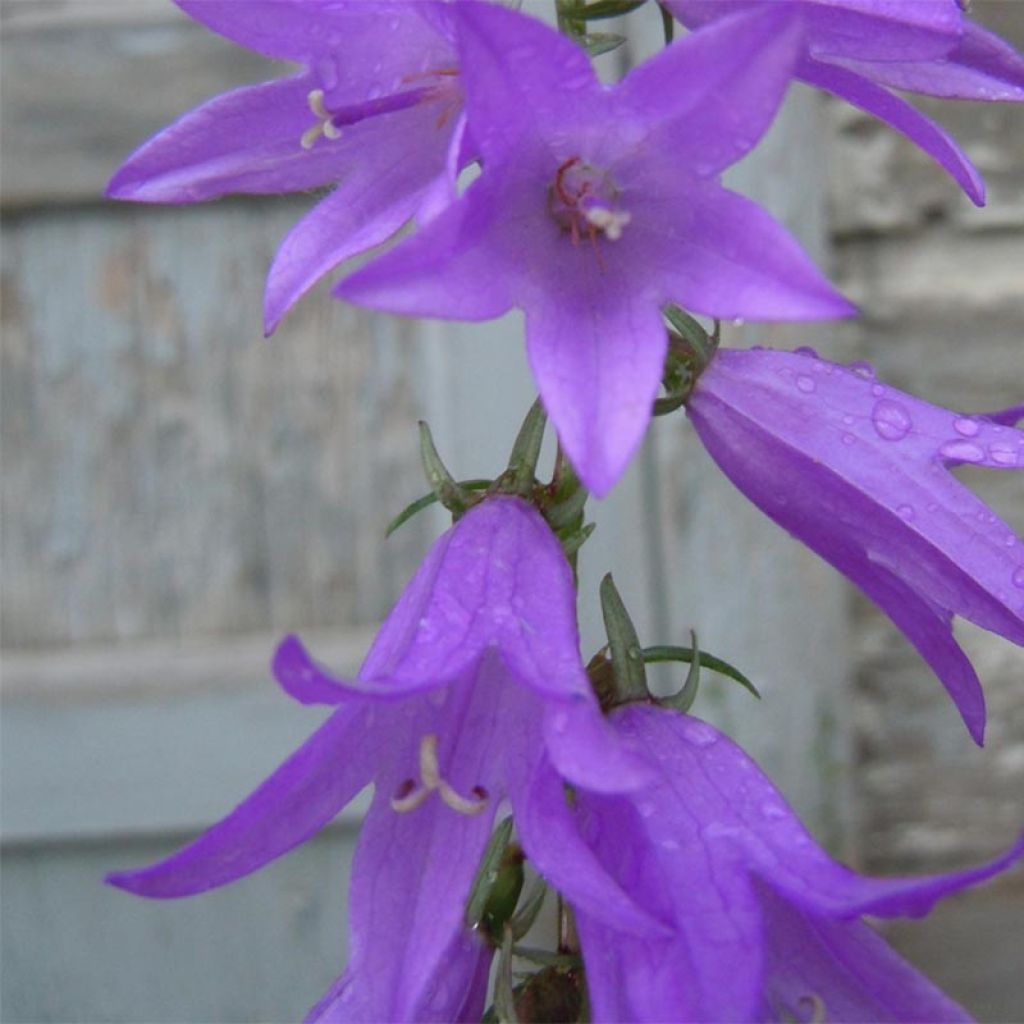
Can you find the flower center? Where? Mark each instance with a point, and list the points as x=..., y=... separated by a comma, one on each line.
x=411, y=794
x=440, y=84
x=583, y=201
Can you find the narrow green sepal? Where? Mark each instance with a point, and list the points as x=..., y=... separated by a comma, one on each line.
x=504, y=995
x=522, y=463
x=627, y=654
x=504, y=895
x=524, y=918
x=607, y=9
x=668, y=23
x=663, y=406
x=683, y=700
x=546, y=958
x=565, y=513
x=429, y=499
x=655, y=655
x=598, y=43
x=696, y=338
x=442, y=483
x=572, y=543
x=487, y=873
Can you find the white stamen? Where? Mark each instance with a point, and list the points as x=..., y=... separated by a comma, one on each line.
x=457, y=802
x=310, y=135
x=431, y=780
x=324, y=126
x=430, y=772
x=316, y=104
x=611, y=222
x=409, y=802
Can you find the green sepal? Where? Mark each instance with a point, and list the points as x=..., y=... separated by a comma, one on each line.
x=668, y=23
x=504, y=994
x=627, y=654
x=683, y=700
x=663, y=406
x=598, y=43
x=577, y=538
x=606, y=9
x=522, y=463
x=442, y=483
x=655, y=655
x=488, y=875
x=524, y=918
x=429, y=499
x=547, y=959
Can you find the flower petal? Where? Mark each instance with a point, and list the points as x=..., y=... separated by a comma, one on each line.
x=715, y=92
x=302, y=796
x=853, y=972
x=717, y=253
x=898, y=114
x=247, y=140
x=855, y=471
x=981, y=67
x=549, y=834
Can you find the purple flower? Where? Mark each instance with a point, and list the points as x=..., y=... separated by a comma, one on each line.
x=377, y=110
x=473, y=692
x=861, y=49
x=765, y=924
x=596, y=206
x=859, y=472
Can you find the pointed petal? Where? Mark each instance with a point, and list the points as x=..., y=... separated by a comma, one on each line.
x=459, y=265
x=302, y=796
x=550, y=836
x=854, y=973
x=306, y=681
x=866, y=488
x=981, y=67
x=718, y=253
x=248, y=140
x=1006, y=417
x=597, y=348
x=715, y=92
x=384, y=188
x=898, y=114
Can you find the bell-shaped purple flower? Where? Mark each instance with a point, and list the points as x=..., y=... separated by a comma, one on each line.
x=860, y=50
x=376, y=111
x=764, y=923
x=859, y=472
x=598, y=205
x=473, y=693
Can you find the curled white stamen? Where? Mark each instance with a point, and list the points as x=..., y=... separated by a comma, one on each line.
x=324, y=125
x=611, y=222
x=410, y=796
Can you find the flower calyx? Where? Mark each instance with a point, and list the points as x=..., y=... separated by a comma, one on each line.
x=690, y=351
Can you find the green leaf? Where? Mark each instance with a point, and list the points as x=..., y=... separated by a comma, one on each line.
x=429, y=499
x=522, y=463
x=655, y=655
x=627, y=655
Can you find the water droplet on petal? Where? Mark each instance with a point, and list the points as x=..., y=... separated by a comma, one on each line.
x=848, y=419
x=962, y=451
x=965, y=426
x=849, y=439
x=1002, y=453
x=701, y=735
x=1018, y=577
x=773, y=810
x=891, y=421
x=905, y=512
x=804, y=383
x=877, y=390
x=864, y=370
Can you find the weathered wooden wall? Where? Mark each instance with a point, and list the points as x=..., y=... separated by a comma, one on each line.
x=177, y=492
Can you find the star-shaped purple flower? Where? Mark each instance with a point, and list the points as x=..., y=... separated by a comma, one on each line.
x=765, y=924
x=598, y=205
x=859, y=472
x=860, y=50
x=472, y=693
x=376, y=111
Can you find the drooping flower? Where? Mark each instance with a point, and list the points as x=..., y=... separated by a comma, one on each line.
x=376, y=111
x=596, y=206
x=765, y=924
x=860, y=50
x=472, y=693
x=859, y=472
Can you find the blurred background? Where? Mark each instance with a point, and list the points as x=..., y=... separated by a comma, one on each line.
x=178, y=492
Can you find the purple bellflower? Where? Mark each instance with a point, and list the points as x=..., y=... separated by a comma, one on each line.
x=860, y=50
x=472, y=693
x=598, y=205
x=859, y=472
x=377, y=110
x=765, y=924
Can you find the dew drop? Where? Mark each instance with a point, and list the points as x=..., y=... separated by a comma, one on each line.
x=773, y=810
x=848, y=420
x=877, y=390
x=905, y=512
x=848, y=439
x=560, y=722
x=701, y=735
x=1018, y=577
x=891, y=420
x=864, y=370
x=804, y=383
x=962, y=451
x=669, y=844
x=1002, y=453
x=646, y=809
x=965, y=426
